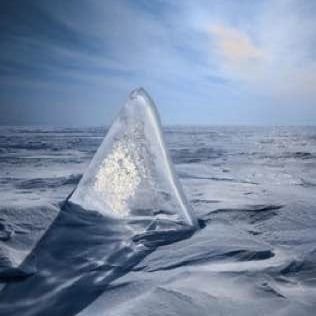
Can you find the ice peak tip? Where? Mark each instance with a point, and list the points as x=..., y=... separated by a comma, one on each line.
x=139, y=92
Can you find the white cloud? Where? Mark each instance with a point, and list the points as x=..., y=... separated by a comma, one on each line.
x=272, y=56
x=201, y=56
x=234, y=46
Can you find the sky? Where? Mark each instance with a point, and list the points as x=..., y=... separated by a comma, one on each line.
x=215, y=62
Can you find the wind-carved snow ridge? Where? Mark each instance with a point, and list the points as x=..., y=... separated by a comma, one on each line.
x=132, y=175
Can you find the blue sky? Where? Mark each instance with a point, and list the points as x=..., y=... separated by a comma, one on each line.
x=204, y=62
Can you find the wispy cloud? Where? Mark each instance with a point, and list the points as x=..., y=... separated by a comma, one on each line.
x=235, y=47
x=273, y=56
x=200, y=59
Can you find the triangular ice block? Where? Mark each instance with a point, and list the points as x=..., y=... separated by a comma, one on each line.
x=131, y=174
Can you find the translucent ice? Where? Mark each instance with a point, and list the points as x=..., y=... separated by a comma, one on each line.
x=131, y=174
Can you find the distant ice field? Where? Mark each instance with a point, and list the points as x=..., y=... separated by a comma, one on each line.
x=253, y=188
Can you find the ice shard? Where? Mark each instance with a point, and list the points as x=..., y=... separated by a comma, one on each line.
x=132, y=174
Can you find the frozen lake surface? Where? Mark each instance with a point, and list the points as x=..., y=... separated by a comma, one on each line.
x=253, y=190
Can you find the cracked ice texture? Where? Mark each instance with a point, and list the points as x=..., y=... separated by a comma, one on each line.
x=120, y=174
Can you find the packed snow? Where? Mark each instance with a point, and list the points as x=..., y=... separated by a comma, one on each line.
x=247, y=246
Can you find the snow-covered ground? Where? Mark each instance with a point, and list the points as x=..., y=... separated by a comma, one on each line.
x=252, y=188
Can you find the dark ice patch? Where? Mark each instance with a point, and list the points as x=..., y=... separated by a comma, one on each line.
x=5, y=232
x=11, y=274
x=56, y=182
x=212, y=178
x=187, y=155
x=204, y=201
x=269, y=289
x=303, y=269
x=250, y=214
